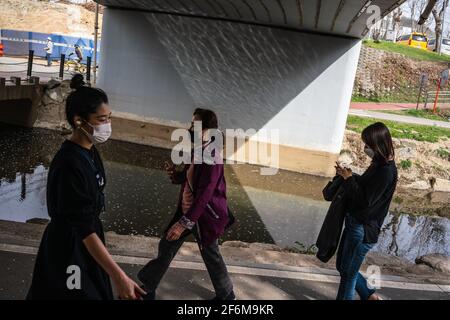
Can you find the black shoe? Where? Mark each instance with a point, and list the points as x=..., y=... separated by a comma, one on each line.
x=229, y=297
x=151, y=295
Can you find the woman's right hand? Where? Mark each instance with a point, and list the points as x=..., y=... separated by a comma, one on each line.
x=127, y=289
x=343, y=172
x=171, y=170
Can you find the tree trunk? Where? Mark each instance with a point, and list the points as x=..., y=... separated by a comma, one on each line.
x=388, y=23
x=397, y=19
x=376, y=35
x=437, y=29
x=438, y=18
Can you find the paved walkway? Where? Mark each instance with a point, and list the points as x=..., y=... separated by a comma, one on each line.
x=17, y=67
x=190, y=280
x=399, y=118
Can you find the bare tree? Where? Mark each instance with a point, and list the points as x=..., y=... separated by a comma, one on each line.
x=386, y=22
x=376, y=35
x=412, y=5
x=438, y=14
x=397, y=19
x=421, y=4
x=416, y=7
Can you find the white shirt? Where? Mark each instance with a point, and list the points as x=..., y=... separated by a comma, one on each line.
x=49, y=47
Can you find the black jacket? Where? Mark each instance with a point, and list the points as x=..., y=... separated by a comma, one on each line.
x=330, y=233
x=369, y=197
x=74, y=201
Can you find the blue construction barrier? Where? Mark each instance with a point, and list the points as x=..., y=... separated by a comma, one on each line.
x=20, y=42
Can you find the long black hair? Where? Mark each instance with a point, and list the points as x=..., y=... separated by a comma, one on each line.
x=84, y=100
x=378, y=138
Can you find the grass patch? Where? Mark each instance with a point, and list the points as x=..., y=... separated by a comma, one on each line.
x=363, y=99
x=401, y=130
x=421, y=113
x=405, y=164
x=410, y=52
x=397, y=200
x=403, y=94
x=443, y=153
x=400, y=96
x=439, y=170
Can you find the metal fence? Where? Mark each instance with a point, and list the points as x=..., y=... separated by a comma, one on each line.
x=19, y=43
x=437, y=99
x=67, y=68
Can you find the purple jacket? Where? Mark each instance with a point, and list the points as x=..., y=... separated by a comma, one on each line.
x=209, y=210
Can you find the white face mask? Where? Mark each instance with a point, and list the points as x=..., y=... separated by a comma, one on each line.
x=101, y=132
x=370, y=153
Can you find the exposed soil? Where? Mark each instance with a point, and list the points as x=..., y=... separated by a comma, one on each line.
x=61, y=17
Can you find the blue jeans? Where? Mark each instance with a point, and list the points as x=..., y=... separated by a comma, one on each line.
x=350, y=256
x=49, y=59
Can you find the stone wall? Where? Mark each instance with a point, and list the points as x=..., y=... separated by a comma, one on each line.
x=383, y=75
x=51, y=109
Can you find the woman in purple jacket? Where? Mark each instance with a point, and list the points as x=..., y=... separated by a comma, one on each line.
x=203, y=211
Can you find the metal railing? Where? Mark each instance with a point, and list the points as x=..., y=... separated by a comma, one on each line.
x=28, y=75
x=436, y=97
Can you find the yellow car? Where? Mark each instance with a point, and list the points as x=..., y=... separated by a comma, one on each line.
x=416, y=40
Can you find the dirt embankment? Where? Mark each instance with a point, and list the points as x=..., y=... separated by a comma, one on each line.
x=61, y=17
x=424, y=173
x=388, y=76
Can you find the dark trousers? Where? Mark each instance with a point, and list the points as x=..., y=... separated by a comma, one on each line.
x=152, y=273
x=49, y=59
x=350, y=257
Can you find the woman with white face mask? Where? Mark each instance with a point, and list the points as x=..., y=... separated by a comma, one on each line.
x=367, y=203
x=73, y=262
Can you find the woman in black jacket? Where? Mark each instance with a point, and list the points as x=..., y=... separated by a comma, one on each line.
x=368, y=198
x=72, y=261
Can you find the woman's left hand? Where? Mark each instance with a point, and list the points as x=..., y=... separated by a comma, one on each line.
x=175, y=232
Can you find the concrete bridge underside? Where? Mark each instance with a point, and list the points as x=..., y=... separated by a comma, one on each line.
x=266, y=64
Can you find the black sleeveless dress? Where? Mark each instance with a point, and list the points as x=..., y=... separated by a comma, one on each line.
x=64, y=269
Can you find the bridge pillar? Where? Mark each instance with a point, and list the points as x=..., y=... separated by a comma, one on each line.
x=157, y=68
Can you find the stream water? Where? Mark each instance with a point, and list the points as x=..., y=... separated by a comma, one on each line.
x=281, y=209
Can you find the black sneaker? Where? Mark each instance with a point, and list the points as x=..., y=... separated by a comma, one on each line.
x=229, y=297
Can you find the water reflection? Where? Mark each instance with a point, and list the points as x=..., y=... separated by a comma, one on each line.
x=279, y=209
x=414, y=236
x=140, y=198
x=23, y=198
